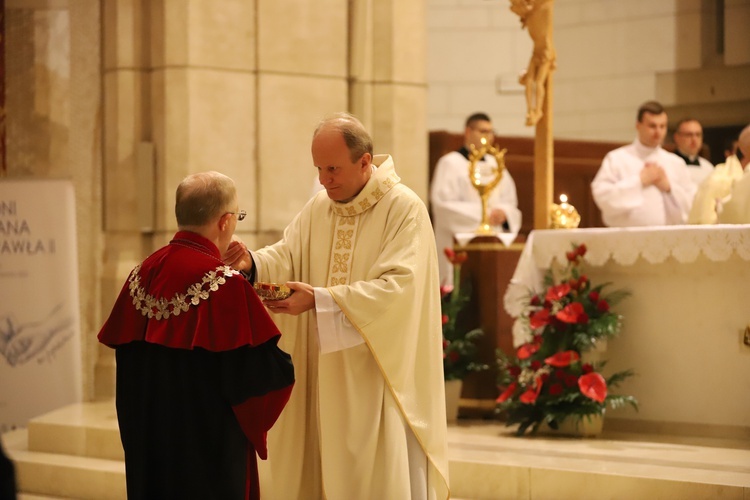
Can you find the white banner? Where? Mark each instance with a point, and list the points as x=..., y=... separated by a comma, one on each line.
x=40, y=354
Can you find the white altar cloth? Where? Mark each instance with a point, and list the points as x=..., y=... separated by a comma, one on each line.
x=683, y=325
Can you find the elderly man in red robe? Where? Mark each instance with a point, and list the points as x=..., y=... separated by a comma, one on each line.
x=200, y=377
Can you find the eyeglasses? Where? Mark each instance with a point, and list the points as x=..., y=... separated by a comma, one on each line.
x=240, y=215
x=483, y=131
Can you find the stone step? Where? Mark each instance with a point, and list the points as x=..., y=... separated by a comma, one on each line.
x=488, y=462
x=63, y=476
x=69, y=453
x=27, y=496
x=83, y=430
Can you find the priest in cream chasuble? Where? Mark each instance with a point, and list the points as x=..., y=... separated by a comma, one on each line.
x=366, y=418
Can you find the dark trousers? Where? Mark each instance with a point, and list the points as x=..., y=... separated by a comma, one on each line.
x=7, y=477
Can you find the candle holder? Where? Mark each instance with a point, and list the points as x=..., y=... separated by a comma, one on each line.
x=564, y=215
x=485, y=178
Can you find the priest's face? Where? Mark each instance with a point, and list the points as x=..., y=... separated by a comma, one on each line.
x=478, y=130
x=652, y=129
x=341, y=177
x=689, y=138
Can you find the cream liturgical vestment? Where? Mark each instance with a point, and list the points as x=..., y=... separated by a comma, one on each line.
x=347, y=429
x=714, y=191
x=736, y=210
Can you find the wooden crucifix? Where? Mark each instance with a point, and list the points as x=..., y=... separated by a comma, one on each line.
x=536, y=17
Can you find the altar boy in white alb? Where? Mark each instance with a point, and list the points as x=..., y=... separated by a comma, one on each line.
x=642, y=184
x=456, y=204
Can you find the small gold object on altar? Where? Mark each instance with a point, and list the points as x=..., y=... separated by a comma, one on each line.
x=271, y=291
x=564, y=215
x=485, y=178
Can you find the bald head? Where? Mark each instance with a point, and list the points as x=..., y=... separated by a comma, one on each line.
x=203, y=197
x=743, y=142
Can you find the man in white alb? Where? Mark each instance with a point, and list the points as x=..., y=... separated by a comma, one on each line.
x=642, y=184
x=456, y=204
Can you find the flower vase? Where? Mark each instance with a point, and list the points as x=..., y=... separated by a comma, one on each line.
x=587, y=426
x=452, y=398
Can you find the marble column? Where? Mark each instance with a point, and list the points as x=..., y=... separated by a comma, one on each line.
x=388, y=82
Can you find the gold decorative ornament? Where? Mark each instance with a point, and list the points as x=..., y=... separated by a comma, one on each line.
x=485, y=178
x=272, y=291
x=564, y=215
x=162, y=307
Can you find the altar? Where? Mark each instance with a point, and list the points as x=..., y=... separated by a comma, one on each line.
x=686, y=327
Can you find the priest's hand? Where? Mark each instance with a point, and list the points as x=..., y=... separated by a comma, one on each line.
x=649, y=172
x=653, y=174
x=497, y=217
x=238, y=256
x=302, y=299
x=662, y=182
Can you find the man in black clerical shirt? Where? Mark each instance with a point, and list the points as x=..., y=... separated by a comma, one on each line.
x=688, y=139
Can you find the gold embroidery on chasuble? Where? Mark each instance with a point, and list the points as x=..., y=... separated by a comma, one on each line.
x=348, y=216
x=342, y=250
x=341, y=262
x=344, y=239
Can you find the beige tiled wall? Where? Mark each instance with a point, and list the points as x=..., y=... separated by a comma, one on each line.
x=389, y=86
x=611, y=57
x=289, y=108
x=473, y=47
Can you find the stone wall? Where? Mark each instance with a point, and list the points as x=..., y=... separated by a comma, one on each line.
x=239, y=87
x=612, y=56
x=126, y=97
x=53, y=100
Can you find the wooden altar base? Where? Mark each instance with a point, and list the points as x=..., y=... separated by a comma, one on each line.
x=487, y=271
x=75, y=452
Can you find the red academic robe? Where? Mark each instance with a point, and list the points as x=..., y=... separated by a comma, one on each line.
x=200, y=378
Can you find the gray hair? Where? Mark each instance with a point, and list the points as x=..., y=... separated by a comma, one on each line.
x=202, y=197
x=357, y=139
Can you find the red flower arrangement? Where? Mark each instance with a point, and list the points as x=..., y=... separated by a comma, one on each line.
x=547, y=381
x=459, y=348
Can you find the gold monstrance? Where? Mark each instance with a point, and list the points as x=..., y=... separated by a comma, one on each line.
x=485, y=177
